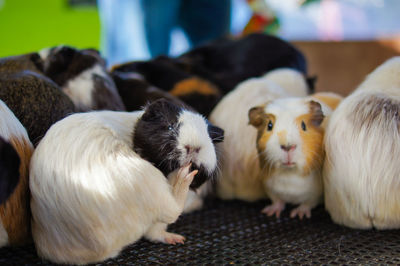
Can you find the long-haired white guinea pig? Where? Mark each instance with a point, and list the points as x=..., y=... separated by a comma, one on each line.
x=239, y=177
x=15, y=153
x=98, y=179
x=290, y=148
x=361, y=170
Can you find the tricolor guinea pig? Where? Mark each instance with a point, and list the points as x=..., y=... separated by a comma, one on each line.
x=83, y=76
x=34, y=99
x=102, y=180
x=362, y=142
x=239, y=177
x=15, y=153
x=290, y=149
x=164, y=73
x=227, y=61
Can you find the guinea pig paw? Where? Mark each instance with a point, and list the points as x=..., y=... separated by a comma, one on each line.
x=275, y=208
x=173, y=239
x=301, y=211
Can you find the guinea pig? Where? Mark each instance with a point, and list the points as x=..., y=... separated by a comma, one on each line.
x=35, y=100
x=98, y=179
x=83, y=76
x=290, y=149
x=239, y=177
x=136, y=92
x=15, y=153
x=162, y=72
x=362, y=142
x=227, y=61
x=13, y=64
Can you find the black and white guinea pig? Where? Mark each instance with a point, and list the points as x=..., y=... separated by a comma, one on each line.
x=15, y=154
x=96, y=183
x=226, y=62
x=35, y=100
x=170, y=137
x=136, y=92
x=164, y=73
x=83, y=76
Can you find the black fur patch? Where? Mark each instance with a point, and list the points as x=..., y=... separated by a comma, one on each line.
x=155, y=135
x=9, y=169
x=105, y=94
x=136, y=93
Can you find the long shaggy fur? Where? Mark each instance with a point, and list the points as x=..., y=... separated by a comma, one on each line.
x=361, y=171
x=240, y=170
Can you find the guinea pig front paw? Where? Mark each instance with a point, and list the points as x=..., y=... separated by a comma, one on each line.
x=181, y=182
x=173, y=239
x=301, y=211
x=158, y=233
x=276, y=208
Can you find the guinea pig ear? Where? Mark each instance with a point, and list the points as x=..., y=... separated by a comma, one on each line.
x=317, y=116
x=9, y=169
x=216, y=133
x=256, y=116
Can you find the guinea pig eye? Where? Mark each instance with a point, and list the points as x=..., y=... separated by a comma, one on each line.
x=270, y=126
x=303, y=126
x=170, y=128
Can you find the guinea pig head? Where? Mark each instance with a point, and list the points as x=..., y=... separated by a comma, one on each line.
x=170, y=137
x=289, y=134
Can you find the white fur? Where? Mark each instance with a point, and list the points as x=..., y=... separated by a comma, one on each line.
x=91, y=193
x=240, y=171
x=10, y=127
x=80, y=88
x=193, y=132
x=290, y=80
x=361, y=170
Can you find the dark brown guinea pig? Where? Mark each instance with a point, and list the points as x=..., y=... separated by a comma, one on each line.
x=13, y=64
x=170, y=137
x=136, y=92
x=82, y=75
x=227, y=61
x=35, y=100
x=164, y=73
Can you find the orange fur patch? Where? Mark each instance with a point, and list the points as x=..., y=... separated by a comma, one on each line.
x=263, y=136
x=312, y=140
x=330, y=99
x=194, y=85
x=15, y=212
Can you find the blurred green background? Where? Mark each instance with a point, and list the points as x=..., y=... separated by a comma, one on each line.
x=30, y=25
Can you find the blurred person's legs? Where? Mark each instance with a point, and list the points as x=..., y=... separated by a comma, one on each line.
x=122, y=31
x=160, y=17
x=205, y=20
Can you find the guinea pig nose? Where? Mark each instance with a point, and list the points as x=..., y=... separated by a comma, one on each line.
x=190, y=149
x=288, y=147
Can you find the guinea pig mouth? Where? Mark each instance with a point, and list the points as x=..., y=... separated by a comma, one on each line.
x=289, y=164
x=201, y=177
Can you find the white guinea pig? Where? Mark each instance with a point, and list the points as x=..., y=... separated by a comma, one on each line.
x=362, y=142
x=239, y=177
x=15, y=153
x=290, y=148
x=95, y=189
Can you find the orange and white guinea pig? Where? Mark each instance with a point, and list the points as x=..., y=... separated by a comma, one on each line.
x=15, y=153
x=239, y=176
x=290, y=149
x=362, y=170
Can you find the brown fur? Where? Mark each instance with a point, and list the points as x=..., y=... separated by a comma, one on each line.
x=191, y=85
x=330, y=99
x=312, y=140
x=15, y=212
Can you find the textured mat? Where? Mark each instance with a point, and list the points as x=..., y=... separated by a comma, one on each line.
x=234, y=232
